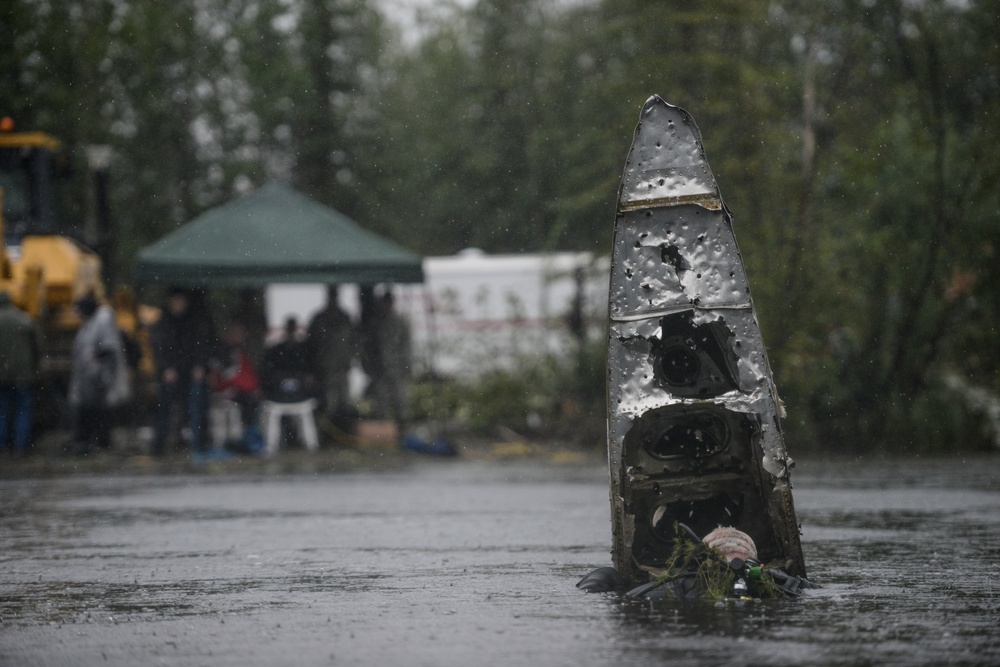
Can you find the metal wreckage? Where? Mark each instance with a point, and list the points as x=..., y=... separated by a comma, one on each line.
x=694, y=439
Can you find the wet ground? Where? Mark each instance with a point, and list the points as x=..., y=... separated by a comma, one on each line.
x=459, y=562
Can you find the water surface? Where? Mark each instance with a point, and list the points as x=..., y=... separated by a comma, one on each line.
x=459, y=563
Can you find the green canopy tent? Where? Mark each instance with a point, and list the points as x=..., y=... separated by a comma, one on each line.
x=274, y=235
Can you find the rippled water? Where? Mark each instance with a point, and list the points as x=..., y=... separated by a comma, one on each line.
x=458, y=563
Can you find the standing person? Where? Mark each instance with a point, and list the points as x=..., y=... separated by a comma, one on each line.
x=251, y=314
x=181, y=345
x=332, y=344
x=99, y=377
x=20, y=354
x=391, y=382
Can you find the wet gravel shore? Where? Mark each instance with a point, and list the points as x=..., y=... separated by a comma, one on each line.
x=129, y=455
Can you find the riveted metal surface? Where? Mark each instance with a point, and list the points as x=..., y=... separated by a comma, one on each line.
x=671, y=168
x=693, y=416
x=655, y=275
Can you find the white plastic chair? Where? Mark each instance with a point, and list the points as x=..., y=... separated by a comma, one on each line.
x=302, y=411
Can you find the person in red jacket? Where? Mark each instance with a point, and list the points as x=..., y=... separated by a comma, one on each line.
x=235, y=379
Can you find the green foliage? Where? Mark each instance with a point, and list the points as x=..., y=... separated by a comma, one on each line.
x=710, y=568
x=535, y=397
x=713, y=574
x=853, y=140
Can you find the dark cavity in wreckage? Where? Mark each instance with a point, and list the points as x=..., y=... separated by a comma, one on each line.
x=694, y=437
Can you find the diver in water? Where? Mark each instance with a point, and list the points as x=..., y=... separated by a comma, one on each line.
x=723, y=564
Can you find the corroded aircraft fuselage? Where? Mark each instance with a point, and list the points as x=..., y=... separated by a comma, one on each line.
x=693, y=417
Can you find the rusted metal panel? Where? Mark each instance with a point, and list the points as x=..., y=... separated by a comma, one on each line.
x=694, y=431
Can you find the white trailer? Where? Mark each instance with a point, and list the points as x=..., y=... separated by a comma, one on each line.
x=477, y=312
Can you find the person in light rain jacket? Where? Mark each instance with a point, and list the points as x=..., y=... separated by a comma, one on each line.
x=99, y=376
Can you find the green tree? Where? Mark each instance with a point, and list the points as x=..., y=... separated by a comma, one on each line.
x=851, y=138
x=884, y=272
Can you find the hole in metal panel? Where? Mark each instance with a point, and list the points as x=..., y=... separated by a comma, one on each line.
x=701, y=516
x=697, y=436
x=694, y=361
x=670, y=254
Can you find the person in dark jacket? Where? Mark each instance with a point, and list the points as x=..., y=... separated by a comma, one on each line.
x=332, y=346
x=20, y=355
x=286, y=372
x=390, y=375
x=182, y=341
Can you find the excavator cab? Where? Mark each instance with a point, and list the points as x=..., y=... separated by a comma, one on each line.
x=26, y=177
x=44, y=264
x=45, y=268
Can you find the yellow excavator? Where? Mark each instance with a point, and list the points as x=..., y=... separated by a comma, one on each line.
x=43, y=268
